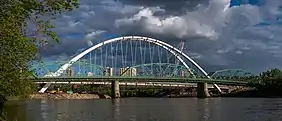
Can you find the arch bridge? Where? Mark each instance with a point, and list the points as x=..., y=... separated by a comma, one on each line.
x=130, y=57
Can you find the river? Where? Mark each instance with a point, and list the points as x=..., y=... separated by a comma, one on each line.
x=148, y=109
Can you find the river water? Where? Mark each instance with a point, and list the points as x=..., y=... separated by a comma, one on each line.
x=147, y=109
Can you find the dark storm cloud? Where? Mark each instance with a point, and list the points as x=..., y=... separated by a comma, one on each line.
x=175, y=7
x=257, y=60
x=66, y=47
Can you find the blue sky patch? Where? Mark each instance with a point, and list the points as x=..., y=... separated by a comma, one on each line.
x=242, y=2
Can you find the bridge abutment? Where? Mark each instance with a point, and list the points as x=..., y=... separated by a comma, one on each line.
x=115, y=89
x=202, y=90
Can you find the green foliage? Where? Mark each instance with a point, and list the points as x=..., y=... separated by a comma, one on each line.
x=270, y=80
x=25, y=25
x=270, y=77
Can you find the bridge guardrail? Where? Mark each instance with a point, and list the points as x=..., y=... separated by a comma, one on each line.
x=138, y=79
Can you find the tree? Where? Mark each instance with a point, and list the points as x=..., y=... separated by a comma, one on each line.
x=272, y=79
x=24, y=26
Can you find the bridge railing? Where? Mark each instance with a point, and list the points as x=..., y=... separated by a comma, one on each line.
x=137, y=79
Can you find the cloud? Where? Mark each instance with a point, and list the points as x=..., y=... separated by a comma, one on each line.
x=206, y=22
x=171, y=7
x=92, y=35
x=179, y=26
x=221, y=34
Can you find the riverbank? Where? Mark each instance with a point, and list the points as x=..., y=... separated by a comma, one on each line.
x=246, y=93
x=68, y=96
x=156, y=93
x=253, y=93
x=141, y=92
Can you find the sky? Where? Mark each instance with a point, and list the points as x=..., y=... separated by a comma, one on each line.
x=218, y=34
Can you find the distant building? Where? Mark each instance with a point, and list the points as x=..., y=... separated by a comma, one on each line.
x=89, y=74
x=70, y=72
x=127, y=71
x=184, y=73
x=109, y=71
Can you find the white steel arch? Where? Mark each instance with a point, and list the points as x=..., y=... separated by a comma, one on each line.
x=164, y=45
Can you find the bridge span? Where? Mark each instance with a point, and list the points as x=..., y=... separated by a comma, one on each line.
x=138, y=79
x=154, y=84
x=132, y=59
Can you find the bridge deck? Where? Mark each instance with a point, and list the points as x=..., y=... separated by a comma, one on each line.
x=137, y=79
x=155, y=84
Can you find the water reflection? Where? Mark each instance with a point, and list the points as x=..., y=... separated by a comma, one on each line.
x=147, y=109
x=43, y=109
x=209, y=109
x=206, y=110
x=116, y=109
x=16, y=111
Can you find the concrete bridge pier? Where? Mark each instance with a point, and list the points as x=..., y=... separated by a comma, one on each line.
x=115, y=89
x=202, y=90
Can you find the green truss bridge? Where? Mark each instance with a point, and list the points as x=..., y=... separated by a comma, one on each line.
x=137, y=79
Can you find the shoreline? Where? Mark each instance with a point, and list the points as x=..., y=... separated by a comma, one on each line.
x=76, y=96
x=61, y=96
x=240, y=93
x=252, y=93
